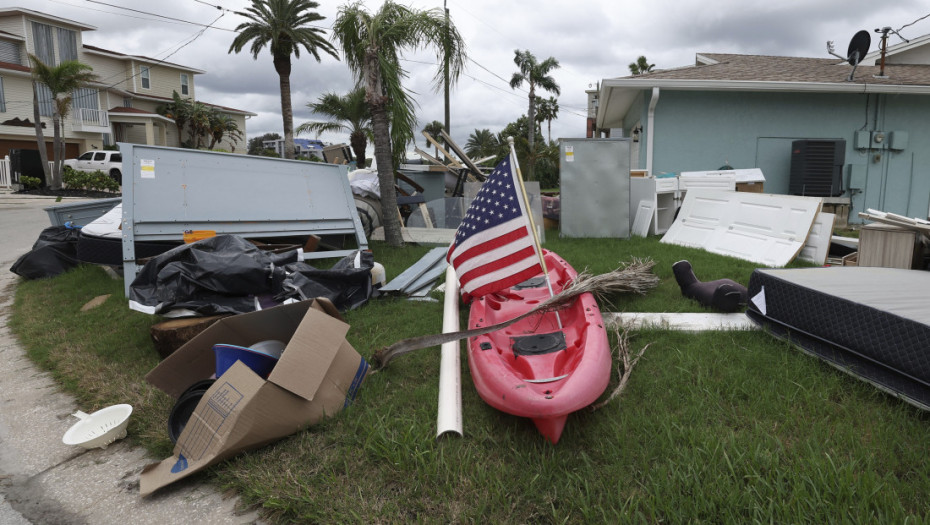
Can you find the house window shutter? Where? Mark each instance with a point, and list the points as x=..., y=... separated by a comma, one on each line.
x=67, y=44
x=43, y=43
x=46, y=103
x=2, y=97
x=11, y=52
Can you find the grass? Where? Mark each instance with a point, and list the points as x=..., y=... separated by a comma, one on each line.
x=713, y=427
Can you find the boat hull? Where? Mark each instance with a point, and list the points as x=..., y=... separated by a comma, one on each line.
x=535, y=368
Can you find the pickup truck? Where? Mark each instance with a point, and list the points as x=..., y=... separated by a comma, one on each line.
x=109, y=162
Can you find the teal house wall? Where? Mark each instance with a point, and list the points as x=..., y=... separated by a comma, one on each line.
x=702, y=130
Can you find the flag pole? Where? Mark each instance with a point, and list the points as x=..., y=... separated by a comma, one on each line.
x=529, y=215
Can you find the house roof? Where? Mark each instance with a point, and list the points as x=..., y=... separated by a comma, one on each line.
x=19, y=11
x=15, y=67
x=140, y=58
x=124, y=109
x=730, y=72
x=166, y=99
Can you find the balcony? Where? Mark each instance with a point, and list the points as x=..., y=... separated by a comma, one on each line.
x=90, y=121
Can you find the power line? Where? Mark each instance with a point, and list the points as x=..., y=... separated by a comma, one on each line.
x=912, y=23
x=160, y=16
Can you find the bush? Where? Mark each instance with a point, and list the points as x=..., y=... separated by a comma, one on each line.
x=93, y=180
x=30, y=183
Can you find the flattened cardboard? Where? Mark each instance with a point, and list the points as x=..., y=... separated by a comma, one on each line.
x=318, y=375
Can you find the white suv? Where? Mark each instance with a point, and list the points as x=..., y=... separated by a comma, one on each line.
x=109, y=162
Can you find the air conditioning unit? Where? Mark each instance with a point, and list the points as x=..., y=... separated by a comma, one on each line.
x=817, y=167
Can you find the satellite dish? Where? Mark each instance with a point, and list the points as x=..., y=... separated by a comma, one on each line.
x=858, y=47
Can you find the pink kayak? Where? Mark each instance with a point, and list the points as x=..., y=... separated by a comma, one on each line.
x=532, y=368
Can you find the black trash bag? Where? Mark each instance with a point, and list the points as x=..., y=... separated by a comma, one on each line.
x=345, y=285
x=218, y=275
x=54, y=253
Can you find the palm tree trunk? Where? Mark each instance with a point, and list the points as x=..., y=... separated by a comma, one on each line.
x=55, y=183
x=40, y=137
x=359, y=142
x=283, y=66
x=383, y=153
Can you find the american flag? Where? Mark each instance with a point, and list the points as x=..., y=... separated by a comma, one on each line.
x=493, y=247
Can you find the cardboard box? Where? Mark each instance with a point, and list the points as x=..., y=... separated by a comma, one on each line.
x=754, y=187
x=318, y=374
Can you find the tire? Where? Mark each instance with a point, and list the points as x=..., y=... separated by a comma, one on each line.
x=117, y=176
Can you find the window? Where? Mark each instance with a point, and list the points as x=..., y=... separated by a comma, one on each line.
x=11, y=52
x=144, y=74
x=127, y=102
x=43, y=43
x=2, y=97
x=100, y=155
x=67, y=44
x=46, y=103
x=87, y=156
x=185, y=87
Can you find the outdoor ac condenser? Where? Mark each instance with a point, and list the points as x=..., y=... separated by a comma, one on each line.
x=817, y=167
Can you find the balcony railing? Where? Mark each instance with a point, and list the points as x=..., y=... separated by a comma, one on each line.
x=90, y=120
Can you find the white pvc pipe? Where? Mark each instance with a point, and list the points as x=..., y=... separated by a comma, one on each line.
x=449, y=418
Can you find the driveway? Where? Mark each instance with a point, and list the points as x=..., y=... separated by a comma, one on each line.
x=41, y=479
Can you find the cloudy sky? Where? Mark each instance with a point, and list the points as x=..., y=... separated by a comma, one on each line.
x=592, y=40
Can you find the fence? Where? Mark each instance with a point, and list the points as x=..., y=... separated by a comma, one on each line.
x=6, y=174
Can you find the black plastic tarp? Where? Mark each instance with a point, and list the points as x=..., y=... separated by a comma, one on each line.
x=54, y=253
x=228, y=274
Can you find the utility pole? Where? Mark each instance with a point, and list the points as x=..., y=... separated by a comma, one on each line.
x=445, y=73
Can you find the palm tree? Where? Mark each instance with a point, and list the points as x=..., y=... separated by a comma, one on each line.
x=434, y=129
x=282, y=25
x=482, y=143
x=548, y=111
x=535, y=74
x=372, y=44
x=61, y=81
x=348, y=113
x=223, y=125
x=641, y=66
x=179, y=110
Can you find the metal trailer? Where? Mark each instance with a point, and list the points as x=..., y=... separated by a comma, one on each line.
x=169, y=190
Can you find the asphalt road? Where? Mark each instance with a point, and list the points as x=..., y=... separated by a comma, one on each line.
x=44, y=481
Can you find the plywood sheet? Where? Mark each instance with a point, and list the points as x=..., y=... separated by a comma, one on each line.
x=759, y=227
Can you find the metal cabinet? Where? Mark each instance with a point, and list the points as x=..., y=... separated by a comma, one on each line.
x=595, y=188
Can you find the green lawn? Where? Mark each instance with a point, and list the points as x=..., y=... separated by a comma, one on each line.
x=713, y=427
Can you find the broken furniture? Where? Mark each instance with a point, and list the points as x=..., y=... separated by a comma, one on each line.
x=80, y=213
x=872, y=323
x=893, y=241
x=764, y=228
x=169, y=190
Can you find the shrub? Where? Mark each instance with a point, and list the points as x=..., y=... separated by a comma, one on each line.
x=94, y=180
x=30, y=183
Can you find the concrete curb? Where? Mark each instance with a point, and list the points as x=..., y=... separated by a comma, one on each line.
x=41, y=479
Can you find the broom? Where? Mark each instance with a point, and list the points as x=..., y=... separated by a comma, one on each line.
x=633, y=277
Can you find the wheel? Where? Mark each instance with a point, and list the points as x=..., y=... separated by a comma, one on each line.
x=117, y=176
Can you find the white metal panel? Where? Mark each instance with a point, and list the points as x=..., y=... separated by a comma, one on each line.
x=764, y=228
x=720, y=182
x=817, y=246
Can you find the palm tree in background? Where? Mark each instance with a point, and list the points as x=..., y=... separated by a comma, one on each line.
x=534, y=74
x=641, y=66
x=283, y=26
x=61, y=81
x=223, y=125
x=372, y=44
x=347, y=113
x=434, y=129
x=482, y=143
x=548, y=111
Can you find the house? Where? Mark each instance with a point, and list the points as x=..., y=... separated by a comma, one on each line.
x=745, y=111
x=302, y=147
x=120, y=107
